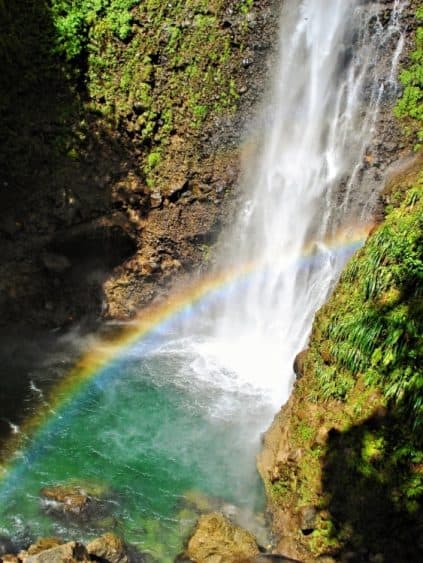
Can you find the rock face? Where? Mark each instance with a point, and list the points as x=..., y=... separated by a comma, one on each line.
x=158, y=142
x=216, y=540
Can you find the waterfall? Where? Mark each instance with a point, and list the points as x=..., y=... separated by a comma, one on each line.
x=306, y=191
x=179, y=410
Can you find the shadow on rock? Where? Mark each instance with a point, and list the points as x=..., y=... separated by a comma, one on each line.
x=58, y=168
x=373, y=482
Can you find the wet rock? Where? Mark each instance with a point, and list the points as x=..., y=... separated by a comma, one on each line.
x=198, y=503
x=6, y=546
x=76, y=502
x=70, y=499
x=43, y=544
x=216, y=540
x=71, y=552
x=10, y=558
x=108, y=547
x=269, y=557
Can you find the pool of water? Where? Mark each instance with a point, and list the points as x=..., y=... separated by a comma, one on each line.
x=164, y=433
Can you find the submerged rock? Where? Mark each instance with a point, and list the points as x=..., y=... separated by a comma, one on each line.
x=70, y=499
x=200, y=502
x=84, y=502
x=216, y=540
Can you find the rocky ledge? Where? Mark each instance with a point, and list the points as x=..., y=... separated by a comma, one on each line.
x=108, y=548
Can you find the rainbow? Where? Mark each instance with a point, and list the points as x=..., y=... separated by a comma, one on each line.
x=109, y=351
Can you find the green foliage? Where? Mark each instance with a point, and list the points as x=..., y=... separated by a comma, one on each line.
x=245, y=6
x=175, y=67
x=305, y=432
x=73, y=21
x=153, y=159
x=373, y=323
x=410, y=105
x=373, y=469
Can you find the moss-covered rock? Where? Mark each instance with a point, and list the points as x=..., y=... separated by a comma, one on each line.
x=348, y=444
x=125, y=105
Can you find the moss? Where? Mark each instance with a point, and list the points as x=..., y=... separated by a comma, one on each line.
x=410, y=105
x=175, y=68
x=142, y=71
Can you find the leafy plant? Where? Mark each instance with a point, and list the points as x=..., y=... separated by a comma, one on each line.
x=410, y=105
x=74, y=19
x=374, y=321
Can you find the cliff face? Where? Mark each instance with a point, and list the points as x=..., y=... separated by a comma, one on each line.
x=120, y=141
x=343, y=461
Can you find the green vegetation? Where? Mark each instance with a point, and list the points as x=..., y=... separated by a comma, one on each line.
x=374, y=322
x=150, y=68
x=145, y=72
x=410, y=106
x=356, y=416
x=74, y=20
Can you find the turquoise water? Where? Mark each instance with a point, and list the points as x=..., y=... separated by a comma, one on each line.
x=159, y=433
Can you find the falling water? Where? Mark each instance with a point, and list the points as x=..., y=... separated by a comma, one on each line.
x=306, y=184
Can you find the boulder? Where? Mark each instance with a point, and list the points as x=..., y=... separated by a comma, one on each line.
x=42, y=544
x=76, y=502
x=217, y=540
x=299, y=363
x=66, y=498
x=71, y=552
x=108, y=547
x=269, y=558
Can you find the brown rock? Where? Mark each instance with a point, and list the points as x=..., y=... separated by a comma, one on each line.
x=71, y=552
x=299, y=363
x=43, y=544
x=308, y=515
x=79, y=502
x=216, y=540
x=9, y=558
x=108, y=547
x=72, y=499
